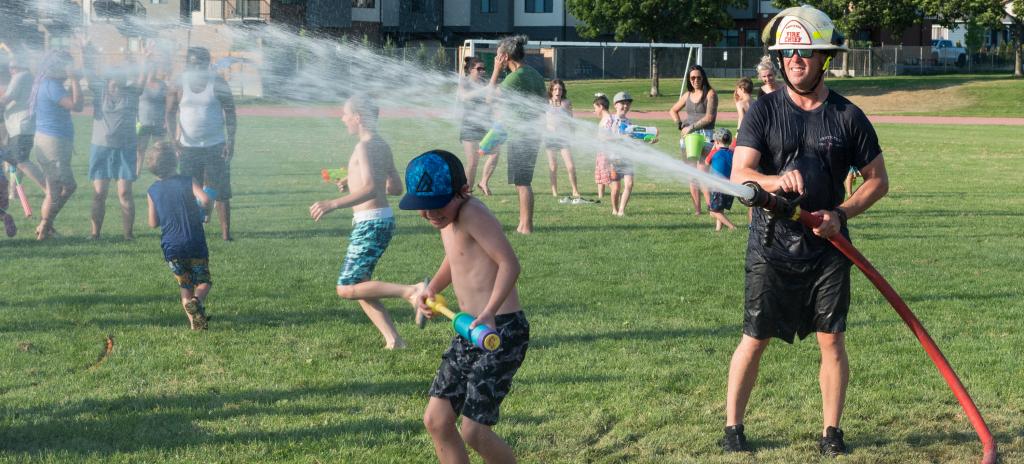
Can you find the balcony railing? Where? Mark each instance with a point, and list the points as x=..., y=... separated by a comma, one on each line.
x=236, y=10
x=117, y=9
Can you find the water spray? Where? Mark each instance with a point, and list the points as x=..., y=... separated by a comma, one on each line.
x=778, y=208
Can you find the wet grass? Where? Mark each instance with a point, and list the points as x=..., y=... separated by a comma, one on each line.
x=633, y=323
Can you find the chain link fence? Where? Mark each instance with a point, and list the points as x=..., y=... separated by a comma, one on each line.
x=256, y=73
x=861, y=62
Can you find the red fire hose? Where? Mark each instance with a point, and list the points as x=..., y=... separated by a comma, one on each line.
x=897, y=303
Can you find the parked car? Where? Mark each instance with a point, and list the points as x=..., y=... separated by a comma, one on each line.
x=945, y=53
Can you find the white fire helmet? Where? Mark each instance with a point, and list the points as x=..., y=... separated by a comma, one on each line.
x=803, y=27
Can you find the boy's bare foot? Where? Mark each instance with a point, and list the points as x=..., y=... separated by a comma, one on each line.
x=483, y=188
x=196, y=318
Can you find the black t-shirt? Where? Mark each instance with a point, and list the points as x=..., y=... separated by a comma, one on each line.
x=822, y=144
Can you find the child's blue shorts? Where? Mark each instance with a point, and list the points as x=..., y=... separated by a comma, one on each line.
x=366, y=245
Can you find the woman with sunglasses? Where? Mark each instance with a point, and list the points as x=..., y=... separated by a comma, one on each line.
x=476, y=120
x=701, y=104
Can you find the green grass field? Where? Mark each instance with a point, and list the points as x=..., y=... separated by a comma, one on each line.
x=633, y=322
x=947, y=95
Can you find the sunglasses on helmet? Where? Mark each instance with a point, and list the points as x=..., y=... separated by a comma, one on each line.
x=804, y=53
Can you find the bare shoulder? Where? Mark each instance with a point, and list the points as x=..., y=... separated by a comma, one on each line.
x=377, y=146
x=359, y=151
x=477, y=218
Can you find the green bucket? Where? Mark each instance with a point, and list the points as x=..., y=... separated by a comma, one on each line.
x=694, y=143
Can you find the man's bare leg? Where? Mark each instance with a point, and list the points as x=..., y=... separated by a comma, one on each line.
x=224, y=215
x=833, y=377
x=525, y=209
x=742, y=376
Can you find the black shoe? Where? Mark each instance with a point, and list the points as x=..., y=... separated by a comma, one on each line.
x=734, y=440
x=832, y=444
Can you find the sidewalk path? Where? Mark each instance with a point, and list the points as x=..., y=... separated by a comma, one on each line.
x=335, y=112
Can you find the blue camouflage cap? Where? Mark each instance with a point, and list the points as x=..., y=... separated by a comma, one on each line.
x=432, y=180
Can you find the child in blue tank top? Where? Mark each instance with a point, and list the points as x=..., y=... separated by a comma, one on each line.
x=174, y=202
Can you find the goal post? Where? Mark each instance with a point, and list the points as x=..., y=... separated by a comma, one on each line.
x=595, y=60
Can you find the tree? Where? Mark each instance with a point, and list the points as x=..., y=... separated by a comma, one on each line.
x=988, y=13
x=850, y=16
x=654, y=21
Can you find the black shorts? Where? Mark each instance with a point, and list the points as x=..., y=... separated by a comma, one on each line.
x=720, y=202
x=522, y=159
x=476, y=381
x=19, y=147
x=152, y=131
x=787, y=298
x=207, y=166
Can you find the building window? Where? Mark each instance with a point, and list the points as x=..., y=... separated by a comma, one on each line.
x=730, y=38
x=416, y=6
x=157, y=2
x=488, y=6
x=753, y=38
x=539, y=6
x=364, y=4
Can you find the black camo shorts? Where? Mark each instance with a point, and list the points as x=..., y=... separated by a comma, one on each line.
x=476, y=381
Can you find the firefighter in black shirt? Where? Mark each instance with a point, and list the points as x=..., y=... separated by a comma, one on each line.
x=801, y=141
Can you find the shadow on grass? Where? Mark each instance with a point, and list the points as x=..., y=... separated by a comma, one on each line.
x=625, y=225
x=636, y=335
x=165, y=422
x=341, y=231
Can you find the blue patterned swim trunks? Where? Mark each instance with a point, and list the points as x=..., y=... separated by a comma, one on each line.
x=190, y=272
x=366, y=245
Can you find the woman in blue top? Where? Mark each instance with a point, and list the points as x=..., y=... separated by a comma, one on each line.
x=55, y=135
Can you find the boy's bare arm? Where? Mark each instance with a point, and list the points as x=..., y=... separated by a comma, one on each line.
x=204, y=199
x=393, y=185
x=153, y=221
x=441, y=280
x=355, y=196
x=485, y=229
x=227, y=103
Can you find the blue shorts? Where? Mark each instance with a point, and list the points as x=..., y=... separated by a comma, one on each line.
x=112, y=163
x=190, y=272
x=366, y=245
x=720, y=202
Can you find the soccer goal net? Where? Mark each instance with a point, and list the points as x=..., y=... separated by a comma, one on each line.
x=596, y=60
